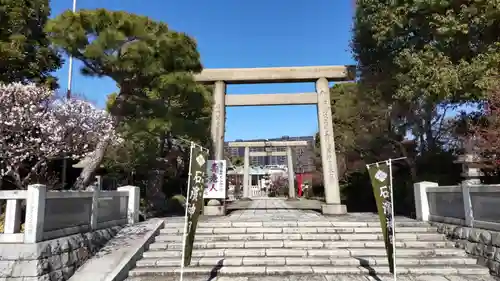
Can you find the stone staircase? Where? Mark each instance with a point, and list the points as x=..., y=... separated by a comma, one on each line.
x=308, y=245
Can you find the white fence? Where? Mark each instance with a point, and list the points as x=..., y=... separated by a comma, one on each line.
x=255, y=191
x=468, y=205
x=53, y=214
x=258, y=191
x=232, y=193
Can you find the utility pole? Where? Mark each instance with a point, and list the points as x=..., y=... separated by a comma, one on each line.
x=68, y=96
x=70, y=64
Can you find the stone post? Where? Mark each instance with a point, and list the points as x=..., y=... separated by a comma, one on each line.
x=134, y=197
x=12, y=222
x=99, y=181
x=291, y=174
x=219, y=119
x=95, y=205
x=328, y=157
x=246, y=173
x=469, y=215
x=35, y=213
x=421, y=199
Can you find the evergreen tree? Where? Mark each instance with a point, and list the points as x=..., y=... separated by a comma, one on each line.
x=25, y=51
x=151, y=64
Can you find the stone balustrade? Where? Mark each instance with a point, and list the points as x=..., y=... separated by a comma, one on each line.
x=467, y=213
x=466, y=205
x=54, y=214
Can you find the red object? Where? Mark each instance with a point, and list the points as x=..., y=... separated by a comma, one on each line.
x=299, y=183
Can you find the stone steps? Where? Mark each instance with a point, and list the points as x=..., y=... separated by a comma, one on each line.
x=308, y=270
x=179, y=224
x=309, y=261
x=236, y=248
x=298, y=244
x=303, y=236
x=277, y=252
x=335, y=230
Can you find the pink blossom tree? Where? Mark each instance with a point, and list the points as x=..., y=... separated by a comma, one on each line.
x=36, y=127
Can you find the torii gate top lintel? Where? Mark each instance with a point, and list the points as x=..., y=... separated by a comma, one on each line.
x=276, y=74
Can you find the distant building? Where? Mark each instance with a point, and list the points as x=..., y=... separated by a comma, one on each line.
x=303, y=156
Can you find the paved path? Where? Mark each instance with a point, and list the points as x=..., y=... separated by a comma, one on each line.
x=302, y=204
x=271, y=209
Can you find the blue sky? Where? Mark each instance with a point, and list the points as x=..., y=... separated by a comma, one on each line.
x=232, y=33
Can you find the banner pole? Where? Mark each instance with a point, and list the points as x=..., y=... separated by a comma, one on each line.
x=186, y=213
x=192, y=143
x=376, y=163
x=393, y=220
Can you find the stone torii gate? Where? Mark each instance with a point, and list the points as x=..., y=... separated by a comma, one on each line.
x=288, y=153
x=321, y=97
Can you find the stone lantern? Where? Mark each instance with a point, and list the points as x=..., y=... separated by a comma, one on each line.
x=470, y=162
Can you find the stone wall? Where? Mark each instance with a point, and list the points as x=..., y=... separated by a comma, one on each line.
x=51, y=260
x=480, y=243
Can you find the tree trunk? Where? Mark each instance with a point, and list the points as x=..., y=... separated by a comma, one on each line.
x=33, y=170
x=409, y=161
x=154, y=192
x=429, y=134
x=17, y=179
x=88, y=172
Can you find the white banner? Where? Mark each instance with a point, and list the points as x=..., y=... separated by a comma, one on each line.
x=216, y=182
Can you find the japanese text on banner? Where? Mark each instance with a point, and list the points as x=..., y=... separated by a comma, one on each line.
x=216, y=184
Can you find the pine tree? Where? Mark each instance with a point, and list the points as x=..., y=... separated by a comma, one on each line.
x=25, y=51
x=150, y=63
